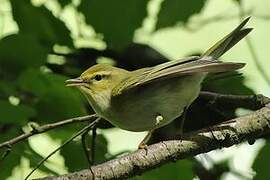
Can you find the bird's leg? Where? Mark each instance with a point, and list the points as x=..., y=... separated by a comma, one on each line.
x=181, y=127
x=143, y=144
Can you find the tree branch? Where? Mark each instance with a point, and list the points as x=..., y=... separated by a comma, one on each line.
x=248, y=127
x=44, y=128
x=252, y=102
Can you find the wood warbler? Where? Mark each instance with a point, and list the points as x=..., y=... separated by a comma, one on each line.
x=151, y=97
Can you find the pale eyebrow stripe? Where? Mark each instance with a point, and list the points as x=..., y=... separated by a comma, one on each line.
x=106, y=73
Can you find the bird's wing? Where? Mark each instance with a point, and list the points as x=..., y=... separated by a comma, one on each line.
x=175, y=69
x=206, y=63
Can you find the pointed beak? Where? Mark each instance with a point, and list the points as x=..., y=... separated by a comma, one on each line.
x=74, y=82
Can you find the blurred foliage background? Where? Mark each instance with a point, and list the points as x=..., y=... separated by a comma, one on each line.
x=45, y=42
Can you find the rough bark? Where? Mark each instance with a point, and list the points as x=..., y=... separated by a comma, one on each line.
x=235, y=131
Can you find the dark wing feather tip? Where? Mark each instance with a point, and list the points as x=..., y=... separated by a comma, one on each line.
x=229, y=40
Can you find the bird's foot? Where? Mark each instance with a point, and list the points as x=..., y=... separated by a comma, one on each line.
x=142, y=145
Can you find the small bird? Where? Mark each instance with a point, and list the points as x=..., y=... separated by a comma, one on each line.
x=152, y=97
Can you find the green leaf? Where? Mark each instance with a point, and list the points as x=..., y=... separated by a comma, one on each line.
x=116, y=20
x=55, y=101
x=7, y=88
x=15, y=114
x=34, y=158
x=59, y=104
x=41, y=23
x=15, y=55
x=175, y=11
x=74, y=155
x=177, y=171
x=35, y=82
x=261, y=163
x=11, y=160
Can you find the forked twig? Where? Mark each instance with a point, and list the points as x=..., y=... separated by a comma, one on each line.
x=85, y=129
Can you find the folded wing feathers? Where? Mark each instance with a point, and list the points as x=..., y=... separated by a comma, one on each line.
x=198, y=66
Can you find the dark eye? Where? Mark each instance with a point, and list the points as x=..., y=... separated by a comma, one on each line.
x=98, y=77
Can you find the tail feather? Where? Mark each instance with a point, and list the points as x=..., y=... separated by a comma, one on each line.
x=228, y=41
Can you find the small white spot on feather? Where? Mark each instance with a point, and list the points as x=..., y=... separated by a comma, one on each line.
x=159, y=118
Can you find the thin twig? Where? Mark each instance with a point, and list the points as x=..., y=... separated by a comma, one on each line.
x=223, y=16
x=6, y=153
x=257, y=61
x=86, y=148
x=47, y=127
x=263, y=17
x=93, y=144
x=203, y=22
x=251, y=48
x=85, y=129
x=252, y=102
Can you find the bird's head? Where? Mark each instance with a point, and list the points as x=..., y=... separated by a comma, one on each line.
x=97, y=83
